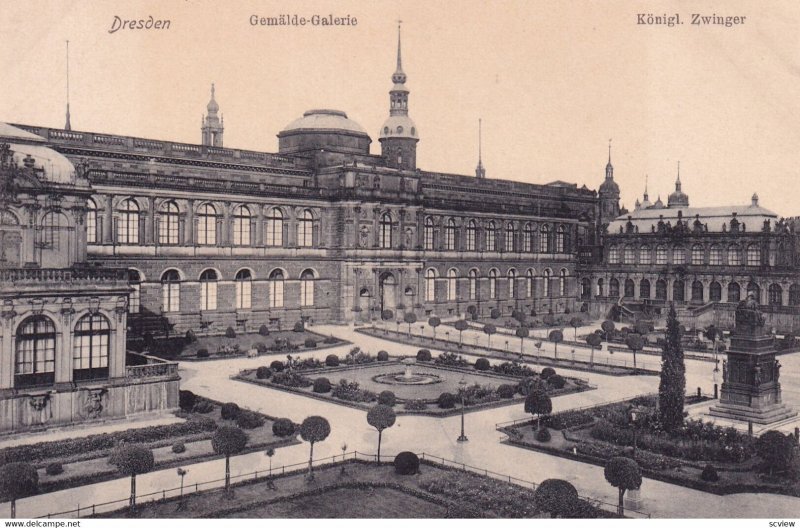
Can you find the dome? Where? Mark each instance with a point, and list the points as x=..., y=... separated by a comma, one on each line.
x=678, y=199
x=212, y=107
x=56, y=167
x=399, y=126
x=324, y=119
x=609, y=186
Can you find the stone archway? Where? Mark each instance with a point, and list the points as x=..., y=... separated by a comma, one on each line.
x=388, y=291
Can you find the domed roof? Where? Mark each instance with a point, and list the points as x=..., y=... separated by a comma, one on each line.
x=678, y=198
x=324, y=119
x=399, y=126
x=609, y=186
x=30, y=148
x=212, y=105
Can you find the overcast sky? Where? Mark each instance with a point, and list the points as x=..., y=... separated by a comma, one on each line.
x=552, y=81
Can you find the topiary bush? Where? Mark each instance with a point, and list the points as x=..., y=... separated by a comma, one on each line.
x=506, y=391
x=423, y=354
x=190, y=336
x=556, y=381
x=54, y=468
x=547, y=372
x=263, y=372
x=494, y=313
x=178, y=447
x=276, y=366
x=249, y=420
x=709, y=473
x=332, y=360
x=543, y=435
x=310, y=342
x=283, y=427
x=203, y=407
x=186, y=400
x=299, y=326
x=262, y=348
x=482, y=364
x=230, y=333
x=406, y=463
x=330, y=340
x=202, y=353
x=263, y=330
x=446, y=400
x=383, y=355
x=230, y=411
x=387, y=397
x=322, y=385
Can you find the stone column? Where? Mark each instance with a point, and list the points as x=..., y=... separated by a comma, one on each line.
x=189, y=223
x=108, y=221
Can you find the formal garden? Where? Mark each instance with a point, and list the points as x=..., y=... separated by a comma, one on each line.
x=417, y=385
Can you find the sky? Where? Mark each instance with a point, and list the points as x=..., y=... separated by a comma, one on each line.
x=553, y=82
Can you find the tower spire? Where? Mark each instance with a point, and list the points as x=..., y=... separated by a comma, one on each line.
x=609, y=167
x=68, y=125
x=678, y=180
x=480, y=172
x=399, y=58
x=212, y=127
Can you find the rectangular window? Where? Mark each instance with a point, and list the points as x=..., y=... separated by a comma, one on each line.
x=276, y=294
x=243, y=294
x=208, y=295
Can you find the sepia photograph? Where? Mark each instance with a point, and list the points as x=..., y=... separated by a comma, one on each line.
x=284, y=261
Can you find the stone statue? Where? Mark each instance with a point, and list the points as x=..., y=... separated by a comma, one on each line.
x=749, y=319
x=757, y=375
x=724, y=370
x=777, y=370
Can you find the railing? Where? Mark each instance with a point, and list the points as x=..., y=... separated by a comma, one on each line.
x=155, y=367
x=63, y=274
x=189, y=489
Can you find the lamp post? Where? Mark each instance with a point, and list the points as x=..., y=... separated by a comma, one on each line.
x=462, y=385
x=344, y=449
x=181, y=473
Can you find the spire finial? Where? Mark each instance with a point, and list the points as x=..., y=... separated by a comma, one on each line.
x=609, y=151
x=399, y=58
x=68, y=125
x=479, y=139
x=212, y=90
x=480, y=172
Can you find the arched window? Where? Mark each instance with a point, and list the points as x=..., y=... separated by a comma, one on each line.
x=529, y=275
x=207, y=225
x=586, y=289
x=560, y=238
x=794, y=295
x=775, y=295
x=168, y=219
x=90, y=348
x=208, y=290
x=600, y=285
x=661, y=255
x=128, y=222
x=734, y=293
x=53, y=223
x=91, y=221
x=546, y=276
x=698, y=255
x=678, y=255
x=613, y=255
x=386, y=231
x=452, y=284
x=644, y=289
x=715, y=255
x=242, y=225
x=430, y=285
x=35, y=360
x=697, y=291
x=491, y=237
x=544, y=239
x=450, y=235
x=472, y=235
x=753, y=255
x=512, y=283
x=630, y=289
x=492, y=284
x=274, y=235
x=473, y=284
x=678, y=291
x=629, y=255
x=734, y=255
x=661, y=290
x=754, y=290
x=307, y=288
x=171, y=291
x=562, y=282
x=305, y=229
x=134, y=299
x=715, y=292
x=244, y=289
x=613, y=288
x=276, y=289
x=527, y=238
x=428, y=234
x=509, y=242
x=644, y=255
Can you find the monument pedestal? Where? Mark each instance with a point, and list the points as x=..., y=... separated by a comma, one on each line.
x=633, y=499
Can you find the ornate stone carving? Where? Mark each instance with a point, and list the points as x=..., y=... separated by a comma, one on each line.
x=749, y=319
x=93, y=406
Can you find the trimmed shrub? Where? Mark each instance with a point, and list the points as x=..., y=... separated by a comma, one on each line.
x=406, y=463
x=178, y=447
x=709, y=473
x=262, y=348
x=186, y=400
x=547, y=372
x=506, y=391
x=263, y=330
x=482, y=364
x=332, y=360
x=230, y=411
x=446, y=400
x=283, y=427
x=249, y=420
x=557, y=381
x=299, y=326
x=494, y=313
x=383, y=355
x=423, y=354
x=387, y=398
x=202, y=353
x=276, y=366
x=263, y=373
x=203, y=407
x=230, y=333
x=54, y=468
x=543, y=435
x=322, y=385
x=190, y=336
x=310, y=342
x=330, y=340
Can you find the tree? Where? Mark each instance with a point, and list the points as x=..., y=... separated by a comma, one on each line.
x=314, y=429
x=555, y=336
x=672, y=386
x=642, y=328
x=538, y=403
x=522, y=332
x=433, y=322
x=608, y=327
x=227, y=441
x=776, y=450
x=381, y=417
x=461, y=325
x=549, y=319
x=556, y=497
x=17, y=481
x=132, y=460
x=624, y=474
x=575, y=322
x=489, y=329
x=594, y=341
x=635, y=342
x=409, y=318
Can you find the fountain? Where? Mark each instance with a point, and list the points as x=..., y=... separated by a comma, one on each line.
x=407, y=377
x=408, y=362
